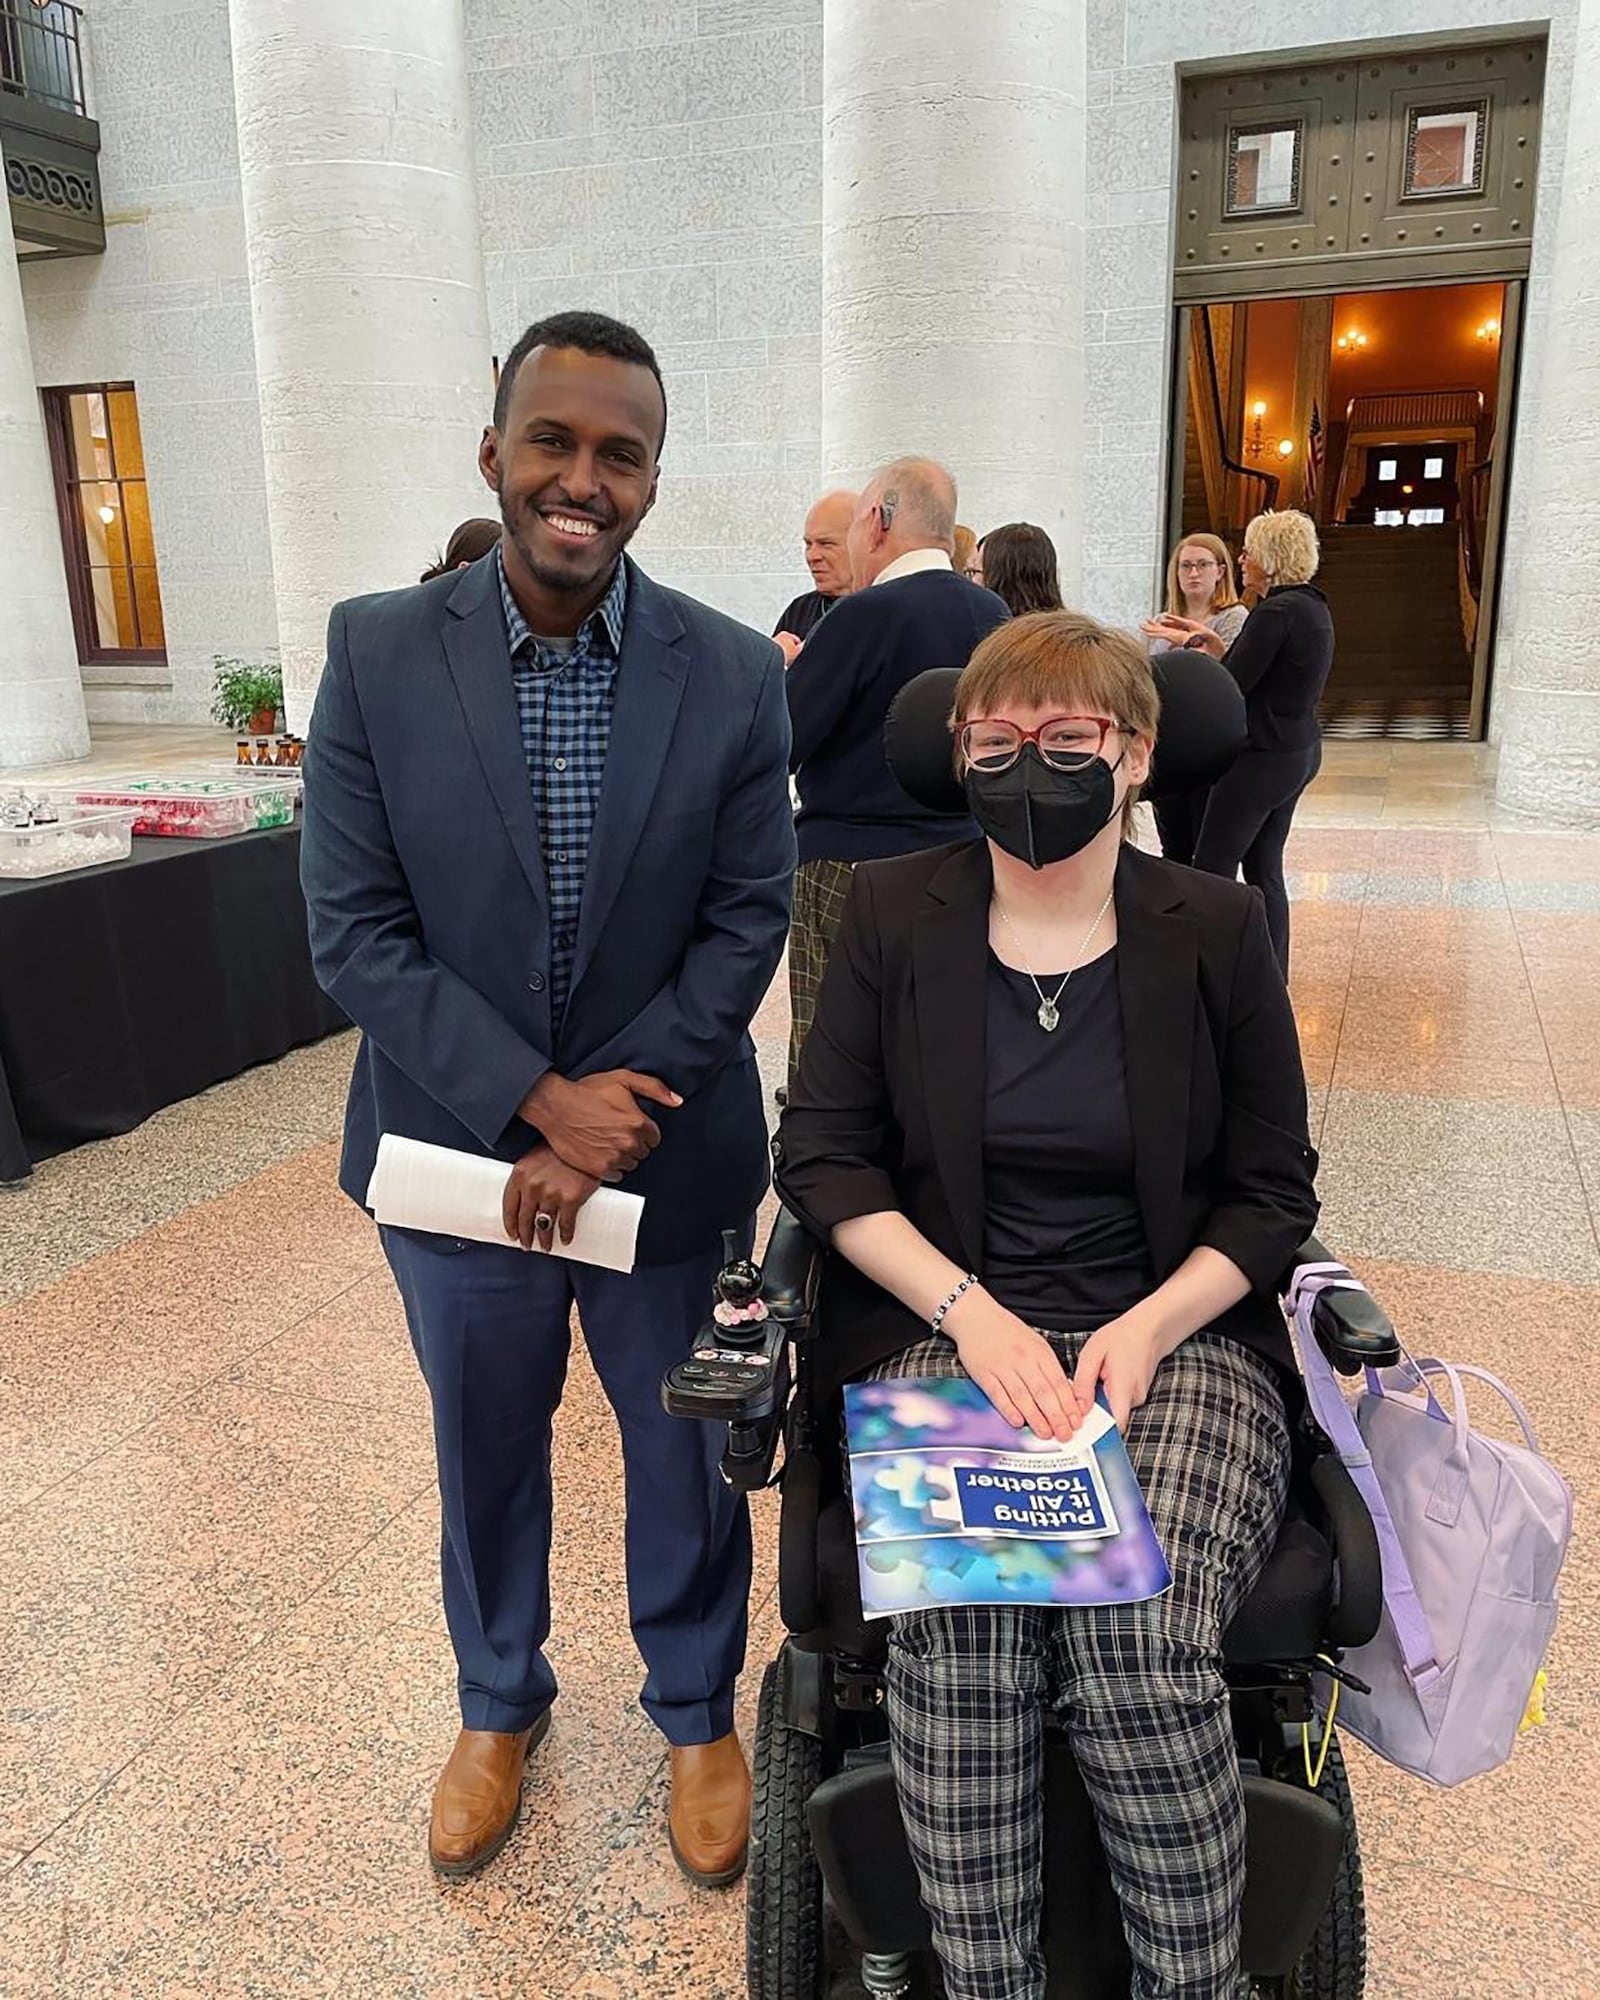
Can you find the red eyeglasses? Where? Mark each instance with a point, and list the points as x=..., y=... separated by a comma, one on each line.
x=991, y=743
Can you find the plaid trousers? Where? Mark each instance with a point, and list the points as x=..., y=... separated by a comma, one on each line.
x=820, y=888
x=1139, y=1687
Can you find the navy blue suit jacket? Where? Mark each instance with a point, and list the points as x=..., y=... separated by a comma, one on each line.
x=428, y=902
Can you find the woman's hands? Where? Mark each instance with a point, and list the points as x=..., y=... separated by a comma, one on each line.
x=1186, y=633
x=1015, y=1367
x=1122, y=1358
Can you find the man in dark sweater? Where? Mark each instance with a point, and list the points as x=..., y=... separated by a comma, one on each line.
x=909, y=611
x=828, y=560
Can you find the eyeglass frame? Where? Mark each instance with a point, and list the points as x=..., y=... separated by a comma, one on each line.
x=1106, y=724
x=1205, y=562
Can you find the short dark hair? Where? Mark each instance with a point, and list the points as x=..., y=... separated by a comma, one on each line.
x=1019, y=564
x=589, y=333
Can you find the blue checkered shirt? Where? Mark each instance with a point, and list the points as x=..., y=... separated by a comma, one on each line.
x=564, y=703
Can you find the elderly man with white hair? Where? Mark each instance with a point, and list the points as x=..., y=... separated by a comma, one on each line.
x=828, y=558
x=909, y=611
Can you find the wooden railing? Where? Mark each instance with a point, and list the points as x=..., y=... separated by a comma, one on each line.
x=1236, y=493
x=1473, y=545
x=1413, y=410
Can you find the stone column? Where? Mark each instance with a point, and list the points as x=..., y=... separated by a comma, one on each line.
x=41, y=690
x=952, y=232
x=1546, y=695
x=366, y=291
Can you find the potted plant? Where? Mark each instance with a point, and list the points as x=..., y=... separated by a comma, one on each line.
x=247, y=696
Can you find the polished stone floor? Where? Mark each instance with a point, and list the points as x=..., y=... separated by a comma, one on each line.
x=225, y=1686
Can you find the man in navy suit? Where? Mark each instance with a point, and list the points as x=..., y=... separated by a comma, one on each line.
x=547, y=855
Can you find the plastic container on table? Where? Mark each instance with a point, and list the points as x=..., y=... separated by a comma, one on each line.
x=192, y=808
x=83, y=837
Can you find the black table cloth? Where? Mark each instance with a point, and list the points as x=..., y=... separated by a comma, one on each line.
x=126, y=988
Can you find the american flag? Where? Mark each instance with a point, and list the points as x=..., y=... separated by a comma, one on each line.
x=1314, y=460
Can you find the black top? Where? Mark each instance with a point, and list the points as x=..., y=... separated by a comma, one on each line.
x=1063, y=1240
x=1281, y=661
x=855, y=663
x=805, y=614
x=887, y=1110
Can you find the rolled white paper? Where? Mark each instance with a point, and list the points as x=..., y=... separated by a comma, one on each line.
x=418, y=1186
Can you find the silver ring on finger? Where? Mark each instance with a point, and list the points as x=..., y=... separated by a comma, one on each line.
x=544, y=1223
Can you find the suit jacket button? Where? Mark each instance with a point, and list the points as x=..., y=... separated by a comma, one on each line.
x=536, y=983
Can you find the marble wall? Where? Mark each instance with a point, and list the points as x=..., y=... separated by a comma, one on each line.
x=662, y=160
x=168, y=308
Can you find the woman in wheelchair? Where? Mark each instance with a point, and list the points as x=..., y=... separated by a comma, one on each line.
x=1053, y=1109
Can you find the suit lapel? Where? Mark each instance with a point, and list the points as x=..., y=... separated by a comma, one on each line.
x=650, y=681
x=1157, y=961
x=950, y=959
x=480, y=665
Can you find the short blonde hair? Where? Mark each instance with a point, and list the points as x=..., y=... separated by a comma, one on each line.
x=1225, y=592
x=1285, y=545
x=1051, y=659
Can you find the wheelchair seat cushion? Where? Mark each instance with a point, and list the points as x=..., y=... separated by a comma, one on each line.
x=1286, y=1616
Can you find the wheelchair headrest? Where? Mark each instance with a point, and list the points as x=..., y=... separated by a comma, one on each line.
x=1202, y=731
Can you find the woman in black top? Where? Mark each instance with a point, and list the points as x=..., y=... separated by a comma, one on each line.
x=1052, y=1117
x=1281, y=660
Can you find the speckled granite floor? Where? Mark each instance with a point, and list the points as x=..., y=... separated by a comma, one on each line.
x=224, y=1681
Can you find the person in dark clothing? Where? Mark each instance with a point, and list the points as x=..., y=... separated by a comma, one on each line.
x=909, y=611
x=1018, y=562
x=1052, y=1120
x=828, y=559
x=1281, y=660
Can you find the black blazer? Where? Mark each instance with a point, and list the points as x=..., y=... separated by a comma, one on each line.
x=1281, y=659
x=887, y=1109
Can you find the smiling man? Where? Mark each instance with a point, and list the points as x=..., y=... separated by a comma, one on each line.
x=547, y=856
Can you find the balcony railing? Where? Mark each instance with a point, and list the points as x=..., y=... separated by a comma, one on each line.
x=40, y=55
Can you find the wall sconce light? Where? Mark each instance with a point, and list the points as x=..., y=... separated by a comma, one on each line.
x=1408, y=489
x=1255, y=444
x=1285, y=447
x=1489, y=331
x=108, y=515
x=1350, y=340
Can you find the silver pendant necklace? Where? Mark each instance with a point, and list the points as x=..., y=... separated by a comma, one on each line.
x=1049, y=1003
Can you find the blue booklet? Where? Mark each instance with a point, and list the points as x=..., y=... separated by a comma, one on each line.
x=953, y=1506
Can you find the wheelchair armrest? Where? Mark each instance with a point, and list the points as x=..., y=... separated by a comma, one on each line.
x=799, y=1586
x=791, y=1267
x=1359, y=1608
x=1352, y=1329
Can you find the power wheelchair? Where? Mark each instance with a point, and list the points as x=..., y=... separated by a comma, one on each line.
x=826, y=1835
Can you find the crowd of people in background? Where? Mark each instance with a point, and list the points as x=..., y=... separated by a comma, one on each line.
x=851, y=810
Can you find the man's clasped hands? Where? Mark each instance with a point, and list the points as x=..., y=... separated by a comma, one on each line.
x=594, y=1129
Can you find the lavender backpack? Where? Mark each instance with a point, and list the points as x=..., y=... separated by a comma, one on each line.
x=1472, y=1534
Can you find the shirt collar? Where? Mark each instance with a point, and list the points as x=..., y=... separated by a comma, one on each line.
x=913, y=563
x=609, y=616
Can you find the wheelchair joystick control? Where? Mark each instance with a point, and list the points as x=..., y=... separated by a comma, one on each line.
x=737, y=1372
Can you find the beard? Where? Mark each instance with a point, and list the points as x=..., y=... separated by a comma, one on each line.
x=565, y=574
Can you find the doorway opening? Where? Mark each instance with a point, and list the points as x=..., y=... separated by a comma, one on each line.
x=1387, y=416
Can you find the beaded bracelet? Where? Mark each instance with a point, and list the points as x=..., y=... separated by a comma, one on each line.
x=966, y=1285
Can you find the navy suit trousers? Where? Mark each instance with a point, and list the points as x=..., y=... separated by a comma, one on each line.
x=491, y=1329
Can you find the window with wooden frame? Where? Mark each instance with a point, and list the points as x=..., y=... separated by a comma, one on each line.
x=98, y=457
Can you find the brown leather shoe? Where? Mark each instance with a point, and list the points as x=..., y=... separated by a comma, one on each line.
x=478, y=1797
x=708, y=1822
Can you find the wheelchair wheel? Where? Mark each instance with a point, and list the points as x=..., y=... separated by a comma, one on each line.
x=1335, y=1963
x=783, y=1906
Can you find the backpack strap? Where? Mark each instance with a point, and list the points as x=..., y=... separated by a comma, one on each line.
x=1333, y=1412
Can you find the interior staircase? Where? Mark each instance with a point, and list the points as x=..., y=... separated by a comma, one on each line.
x=1400, y=664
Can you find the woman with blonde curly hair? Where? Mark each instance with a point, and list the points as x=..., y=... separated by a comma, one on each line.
x=1281, y=660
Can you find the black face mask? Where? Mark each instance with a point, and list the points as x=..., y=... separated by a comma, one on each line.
x=1042, y=815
